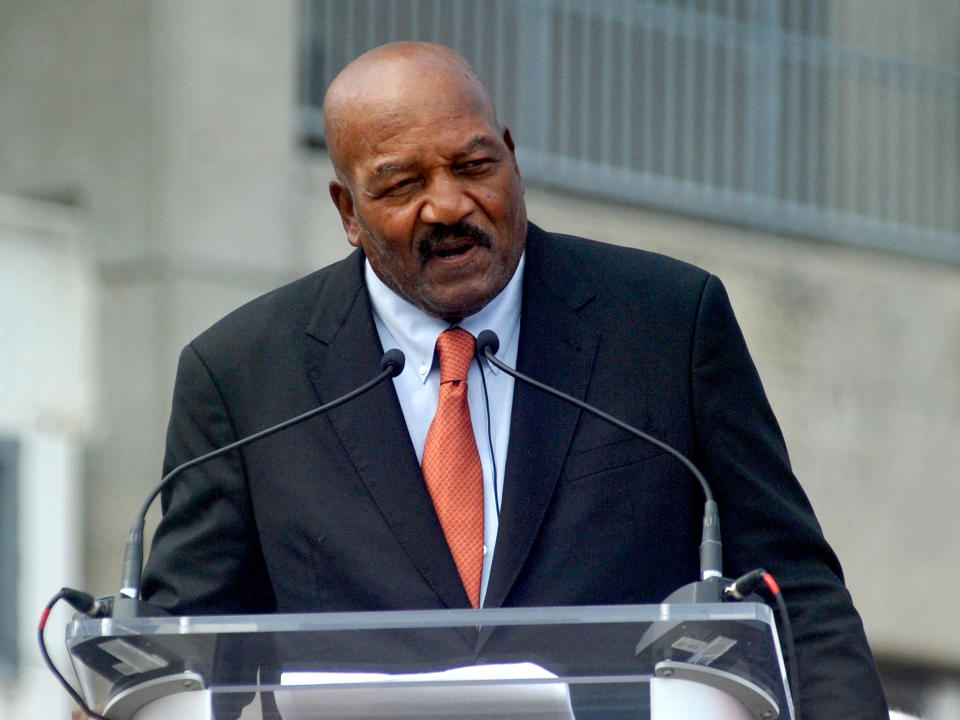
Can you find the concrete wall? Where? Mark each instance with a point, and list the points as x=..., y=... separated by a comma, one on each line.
x=168, y=130
x=46, y=366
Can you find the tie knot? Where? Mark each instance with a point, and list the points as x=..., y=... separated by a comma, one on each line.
x=456, y=348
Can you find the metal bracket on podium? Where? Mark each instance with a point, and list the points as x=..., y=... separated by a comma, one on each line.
x=755, y=701
x=125, y=704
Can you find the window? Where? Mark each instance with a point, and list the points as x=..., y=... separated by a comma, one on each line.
x=818, y=118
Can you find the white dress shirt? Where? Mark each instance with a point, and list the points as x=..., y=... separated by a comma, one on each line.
x=401, y=324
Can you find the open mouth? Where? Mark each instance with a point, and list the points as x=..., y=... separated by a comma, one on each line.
x=452, y=251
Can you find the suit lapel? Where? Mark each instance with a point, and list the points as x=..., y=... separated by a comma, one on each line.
x=557, y=348
x=343, y=351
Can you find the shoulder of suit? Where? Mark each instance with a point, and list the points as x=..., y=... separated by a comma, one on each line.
x=608, y=266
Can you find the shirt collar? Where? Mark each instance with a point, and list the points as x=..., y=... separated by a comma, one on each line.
x=416, y=333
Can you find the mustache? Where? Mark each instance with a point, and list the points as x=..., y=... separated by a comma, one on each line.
x=457, y=231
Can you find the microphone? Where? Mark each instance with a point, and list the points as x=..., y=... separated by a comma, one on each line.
x=712, y=586
x=708, y=589
x=391, y=365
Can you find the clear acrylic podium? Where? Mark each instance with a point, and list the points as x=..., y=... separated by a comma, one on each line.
x=715, y=661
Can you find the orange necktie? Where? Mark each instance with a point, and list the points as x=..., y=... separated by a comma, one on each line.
x=451, y=463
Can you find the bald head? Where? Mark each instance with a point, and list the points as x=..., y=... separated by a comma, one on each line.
x=393, y=79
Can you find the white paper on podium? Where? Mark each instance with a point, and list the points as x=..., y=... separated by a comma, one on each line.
x=474, y=692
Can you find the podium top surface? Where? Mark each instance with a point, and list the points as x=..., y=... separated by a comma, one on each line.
x=604, y=657
x=82, y=629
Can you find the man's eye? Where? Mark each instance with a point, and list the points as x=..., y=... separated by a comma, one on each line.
x=401, y=186
x=476, y=166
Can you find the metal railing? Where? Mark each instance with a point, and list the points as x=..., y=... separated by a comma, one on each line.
x=836, y=120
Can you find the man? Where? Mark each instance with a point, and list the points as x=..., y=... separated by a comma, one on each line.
x=337, y=514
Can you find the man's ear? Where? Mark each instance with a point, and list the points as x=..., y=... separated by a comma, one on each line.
x=343, y=199
x=508, y=141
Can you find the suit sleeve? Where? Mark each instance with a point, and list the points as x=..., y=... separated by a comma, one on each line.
x=768, y=522
x=205, y=557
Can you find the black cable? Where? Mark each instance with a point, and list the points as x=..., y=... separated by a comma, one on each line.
x=791, y=650
x=750, y=583
x=493, y=457
x=83, y=603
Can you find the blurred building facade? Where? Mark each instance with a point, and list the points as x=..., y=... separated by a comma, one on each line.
x=162, y=162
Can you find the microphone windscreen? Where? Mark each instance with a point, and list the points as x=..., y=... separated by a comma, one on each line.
x=487, y=339
x=394, y=359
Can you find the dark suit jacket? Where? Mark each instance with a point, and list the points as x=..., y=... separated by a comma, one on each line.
x=333, y=514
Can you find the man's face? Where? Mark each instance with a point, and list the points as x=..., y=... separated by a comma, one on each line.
x=433, y=196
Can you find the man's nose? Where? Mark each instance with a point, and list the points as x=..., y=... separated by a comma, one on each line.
x=446, y=202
